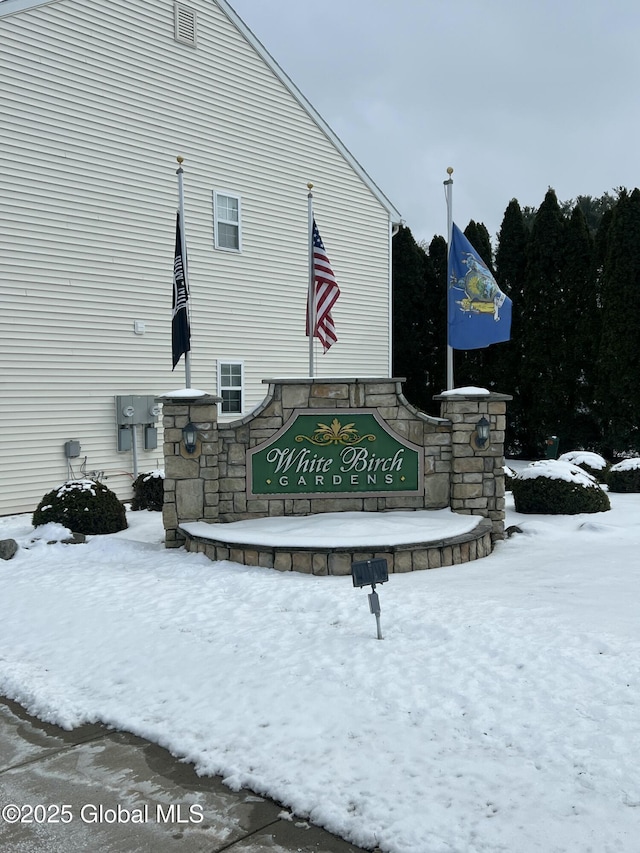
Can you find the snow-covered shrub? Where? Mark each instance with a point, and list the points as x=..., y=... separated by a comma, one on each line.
x=555, y=487
x=625, y=476
x=509, y=474
x=84, y=506
x=592, y=463
x=148, y=491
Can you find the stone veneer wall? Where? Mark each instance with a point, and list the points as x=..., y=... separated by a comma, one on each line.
x=477, y=474
x=283, y=398
x=191, y=483
x=211, y=485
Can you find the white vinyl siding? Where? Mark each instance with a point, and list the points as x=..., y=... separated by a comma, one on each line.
x=99, y=100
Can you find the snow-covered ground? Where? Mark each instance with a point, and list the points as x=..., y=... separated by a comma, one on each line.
x=500, y=714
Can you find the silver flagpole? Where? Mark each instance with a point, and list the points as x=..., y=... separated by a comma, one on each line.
x=311, y=299
x=448, y=191
x=183, y=250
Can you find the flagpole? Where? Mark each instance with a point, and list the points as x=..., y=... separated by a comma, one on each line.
x=183, y=251
x=311, y=298
x=448, y=191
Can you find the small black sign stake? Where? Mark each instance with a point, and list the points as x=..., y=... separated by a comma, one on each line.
x=371, y=572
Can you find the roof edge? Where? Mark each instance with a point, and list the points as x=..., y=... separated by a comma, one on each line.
x=12, y=7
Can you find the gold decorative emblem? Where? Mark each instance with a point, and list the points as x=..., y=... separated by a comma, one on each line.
x=335, y=433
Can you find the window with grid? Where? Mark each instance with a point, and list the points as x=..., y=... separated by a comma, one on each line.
x=230, y=386
x=227, y=221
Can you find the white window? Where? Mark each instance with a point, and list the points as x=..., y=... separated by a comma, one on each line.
x=230, y=386
x=226, y=221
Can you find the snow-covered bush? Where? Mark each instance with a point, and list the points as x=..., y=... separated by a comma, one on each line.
x=84, y=506
x=625, y=476
x=592, y=463
x=148, y=491
x=555, y=487
x=509, y=474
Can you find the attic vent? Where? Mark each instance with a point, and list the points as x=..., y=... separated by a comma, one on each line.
x=185, y=24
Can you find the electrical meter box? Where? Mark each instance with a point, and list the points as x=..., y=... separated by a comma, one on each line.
x=134, y=409
x=124, y=438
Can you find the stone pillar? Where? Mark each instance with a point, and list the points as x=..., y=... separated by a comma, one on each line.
x=477, y=473
x=191, y=485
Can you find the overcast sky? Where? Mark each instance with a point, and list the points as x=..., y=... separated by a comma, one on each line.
x=515, y=95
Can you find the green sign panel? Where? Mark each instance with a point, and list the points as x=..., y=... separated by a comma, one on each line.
x=334, y=452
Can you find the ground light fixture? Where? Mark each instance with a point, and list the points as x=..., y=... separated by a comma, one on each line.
x=190, y=437
x=483, y=428
x=371, y=572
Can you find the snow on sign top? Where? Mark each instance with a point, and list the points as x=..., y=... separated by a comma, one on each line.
x=185, y=393
x=468, y=391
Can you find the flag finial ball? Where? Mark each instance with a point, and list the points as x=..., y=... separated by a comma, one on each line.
x=180, y=160
x=449, y=171
x=309, y=186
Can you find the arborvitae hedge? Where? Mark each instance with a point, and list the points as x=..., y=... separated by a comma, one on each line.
x=572, y=270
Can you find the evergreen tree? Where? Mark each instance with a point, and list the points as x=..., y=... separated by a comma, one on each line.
x=594, y=209
x=578, y=337
x=618, y=388
x=477, y=234
x=412, y=324
x=503, y=367
x=511, y=252
x=437, y=381
x=601, y=244
x=418, y=327
x=541, y=388
x=572, y=270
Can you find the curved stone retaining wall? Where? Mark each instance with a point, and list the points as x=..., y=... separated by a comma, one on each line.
x=337, y=561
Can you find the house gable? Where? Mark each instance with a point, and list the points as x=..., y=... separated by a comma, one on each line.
x=100, y=99
x=8, y=7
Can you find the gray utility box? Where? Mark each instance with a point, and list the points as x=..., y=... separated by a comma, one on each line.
x=134, y=409
x=72, y=449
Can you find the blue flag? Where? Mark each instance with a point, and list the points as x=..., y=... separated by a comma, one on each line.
x=479, y=312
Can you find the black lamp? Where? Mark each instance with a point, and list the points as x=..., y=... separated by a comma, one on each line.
x=483, y=428
x=190, y=437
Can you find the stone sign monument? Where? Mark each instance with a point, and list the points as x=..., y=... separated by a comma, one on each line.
x=333, y=445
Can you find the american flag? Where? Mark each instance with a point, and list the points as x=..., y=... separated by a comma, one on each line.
x=326, y=291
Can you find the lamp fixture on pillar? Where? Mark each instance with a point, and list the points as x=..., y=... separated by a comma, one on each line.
x=190, y=437
x=483, y=429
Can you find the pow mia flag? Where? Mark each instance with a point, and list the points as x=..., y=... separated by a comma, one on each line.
x=180, y=331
